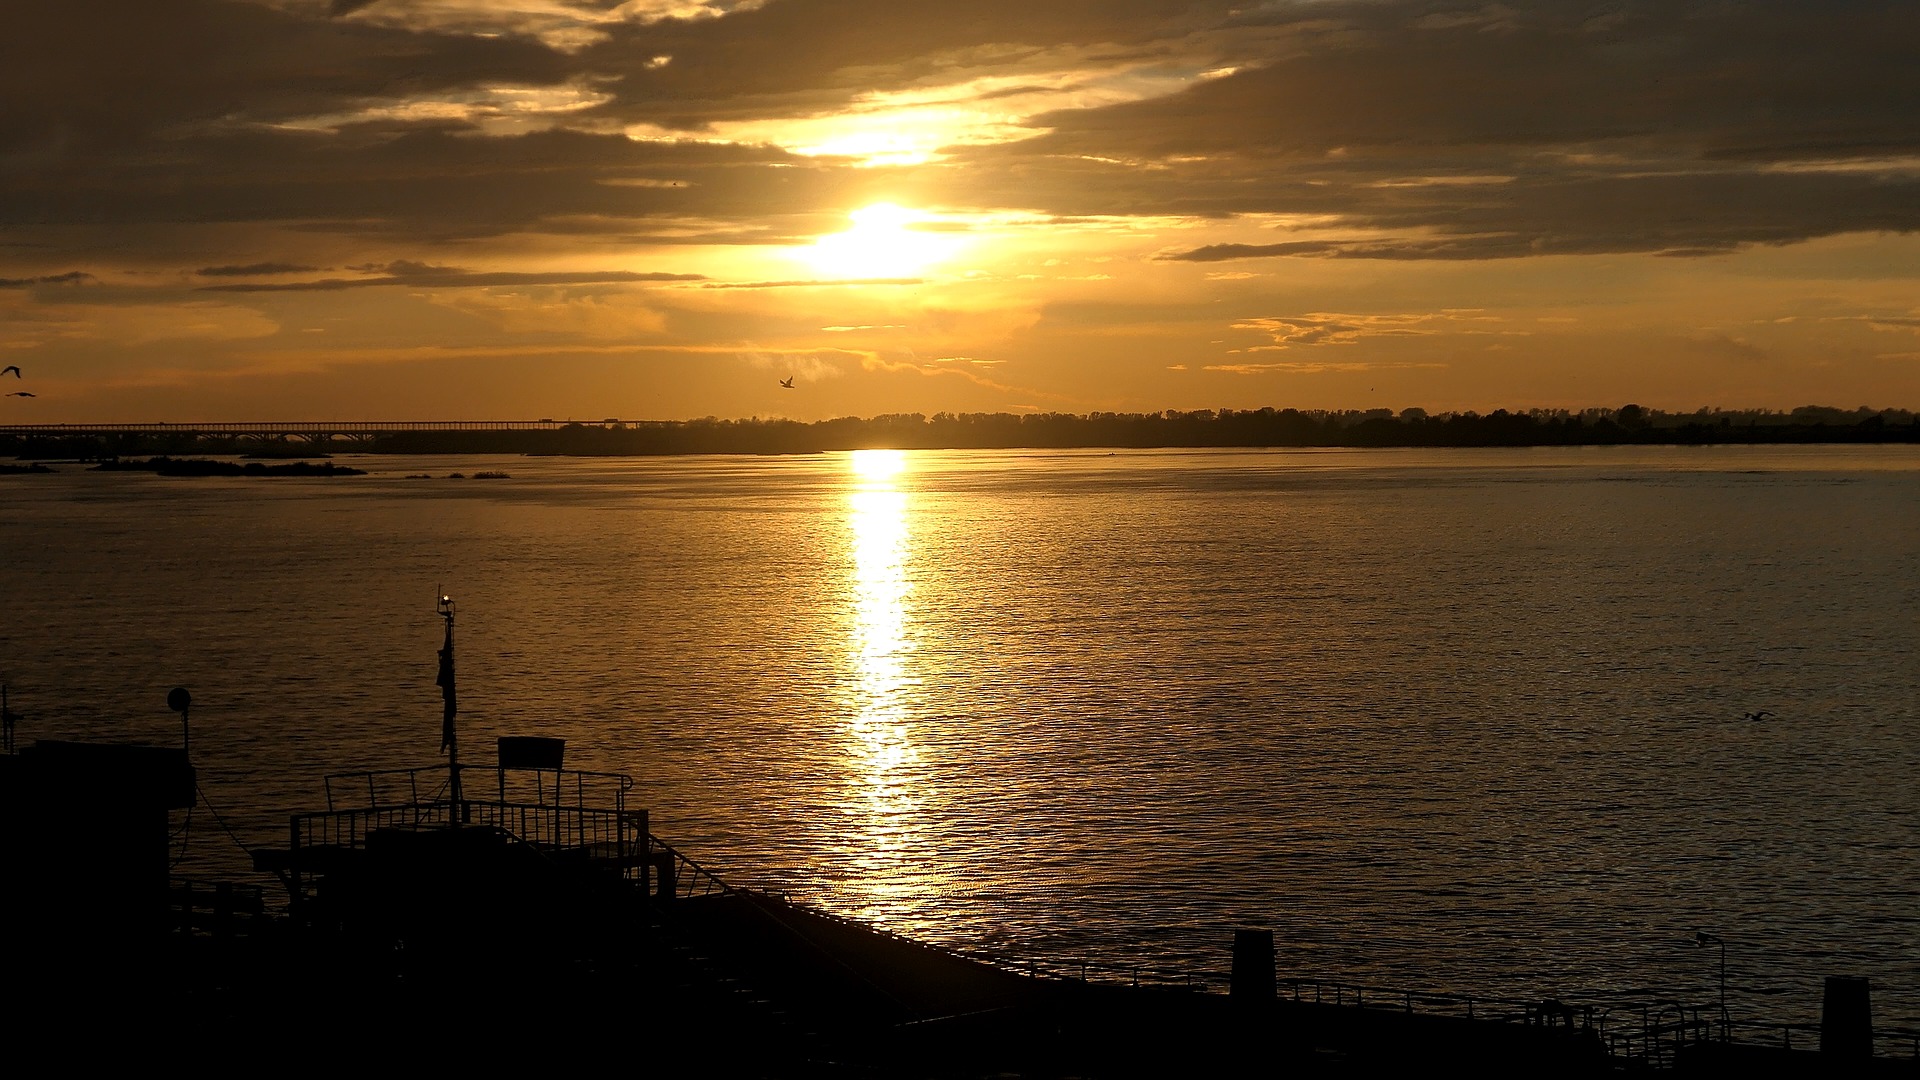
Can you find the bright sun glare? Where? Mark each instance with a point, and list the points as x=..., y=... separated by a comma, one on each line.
x=875, y=465
x=886, y=241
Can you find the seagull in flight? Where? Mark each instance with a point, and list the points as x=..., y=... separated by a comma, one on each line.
x=15, y=368
x=1761, y=715
x=787, y=382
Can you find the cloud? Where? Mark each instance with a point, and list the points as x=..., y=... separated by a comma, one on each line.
x=1315, y=367
x=1322, y=328
x=1680, y=128
x=255, y=269
x=1909, y=324
x=71, y=277
x=125, y=325
x=810, y=283
x=1688, y=128
x=422, y=276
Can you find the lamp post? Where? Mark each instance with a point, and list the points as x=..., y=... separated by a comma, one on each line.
x=1701, y=937
x=449, y=734
x=178, y=699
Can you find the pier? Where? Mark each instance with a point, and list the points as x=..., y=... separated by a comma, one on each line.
x=312, y=431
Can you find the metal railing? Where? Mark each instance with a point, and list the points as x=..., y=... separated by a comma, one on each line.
x=1535, y=1011
x=607, y=833
x=388, y=788
x=1080, y=971
x=1887, y=1041
x=557, y=811
x=1647, y=1033
x=1643, y=1032
x=681, y=877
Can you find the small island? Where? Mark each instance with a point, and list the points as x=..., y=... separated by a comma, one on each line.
x=170, y=466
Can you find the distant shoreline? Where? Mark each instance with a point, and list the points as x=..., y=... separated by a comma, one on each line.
x=1269, y=428
x=170, y=466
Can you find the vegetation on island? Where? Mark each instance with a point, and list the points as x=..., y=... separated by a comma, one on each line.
x=170, y=466
x=1268, y=427
x=1630, y=424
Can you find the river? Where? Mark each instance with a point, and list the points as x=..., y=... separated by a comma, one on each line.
x=1466, y=720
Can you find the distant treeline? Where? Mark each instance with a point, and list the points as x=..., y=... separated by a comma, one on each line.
x=1627, y=425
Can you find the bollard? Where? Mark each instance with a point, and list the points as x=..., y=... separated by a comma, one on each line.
x=1252, y=965
x=1846, y=1018
x=669, y=886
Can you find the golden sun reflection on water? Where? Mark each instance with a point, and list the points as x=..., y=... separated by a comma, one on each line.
x=883, y=809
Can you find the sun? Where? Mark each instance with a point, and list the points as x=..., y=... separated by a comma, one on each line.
x=885, y=241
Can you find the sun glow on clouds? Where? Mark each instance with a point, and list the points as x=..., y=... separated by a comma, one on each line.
x=913, y=127
x=885, y=241
x=557, y=24
x=494, y=110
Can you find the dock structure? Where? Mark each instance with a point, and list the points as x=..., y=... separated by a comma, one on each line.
x=311, y=431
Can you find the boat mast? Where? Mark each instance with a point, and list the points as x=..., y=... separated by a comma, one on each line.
x=449, y=735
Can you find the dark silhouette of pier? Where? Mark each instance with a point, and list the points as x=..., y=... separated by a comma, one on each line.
x=303, y=430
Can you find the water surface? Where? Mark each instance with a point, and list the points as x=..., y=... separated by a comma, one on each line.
x=1461, y=720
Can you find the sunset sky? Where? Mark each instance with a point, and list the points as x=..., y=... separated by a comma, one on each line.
x=658, y=209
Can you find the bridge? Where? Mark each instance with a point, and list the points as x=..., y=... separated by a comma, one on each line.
x=317, y=431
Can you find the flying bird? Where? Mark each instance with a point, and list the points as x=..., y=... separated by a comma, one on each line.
x=1761, y=715
x=15, y=368
x=787, y=382
x=22, y=393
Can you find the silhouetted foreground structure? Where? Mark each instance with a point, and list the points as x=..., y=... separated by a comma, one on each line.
x=533, y=918
x=1626, y=426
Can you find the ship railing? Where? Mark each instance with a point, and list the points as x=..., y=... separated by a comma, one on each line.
x=681, y=877
x=1663, y=1029
x=427, y=785
x=1653, y=1033
x=1107, y=972
x=1891, y=1042
x=1535, y=1012
x=350, y=828
x=1111, y=973
x=1630, y=1028
x=1898, y=1040
x=1633, y=1026
x=614, y=834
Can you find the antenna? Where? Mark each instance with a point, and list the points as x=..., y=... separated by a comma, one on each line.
x=178, y=699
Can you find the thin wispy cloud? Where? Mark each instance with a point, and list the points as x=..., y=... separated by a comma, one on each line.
x=442, y=278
